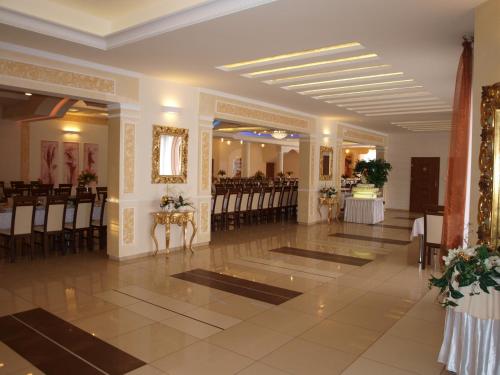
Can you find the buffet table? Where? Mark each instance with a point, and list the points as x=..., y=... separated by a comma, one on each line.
x=471, y=342
x=364, y=211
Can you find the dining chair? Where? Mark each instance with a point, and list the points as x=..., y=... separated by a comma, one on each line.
x=433, y=228
x=265, y=206
x=101, y=191
x=100, y=225
x=294, y=200
x=218, y=203
x=245, y=205
x=53, y=224
x=62, y=191
x=15, y=184
x=82, y=221
x=254, y=206
x=21, y=226
x=232, y=212
x=82, y=190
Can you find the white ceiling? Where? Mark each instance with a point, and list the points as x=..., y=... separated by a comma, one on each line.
x=421, y=39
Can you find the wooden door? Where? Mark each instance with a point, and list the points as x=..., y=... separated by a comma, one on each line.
x=424, y=189
x=270, y=170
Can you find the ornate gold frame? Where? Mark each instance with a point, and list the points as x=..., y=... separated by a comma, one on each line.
x=158, y=131
x=322, y=176
x=489, y=166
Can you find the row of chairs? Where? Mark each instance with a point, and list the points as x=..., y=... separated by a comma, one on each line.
x=43, y=190
x=63, y=235
x=232, y=206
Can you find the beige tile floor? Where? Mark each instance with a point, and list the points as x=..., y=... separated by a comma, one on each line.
x=375, y=319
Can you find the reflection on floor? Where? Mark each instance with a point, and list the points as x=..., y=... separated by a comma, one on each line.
x=336, y=317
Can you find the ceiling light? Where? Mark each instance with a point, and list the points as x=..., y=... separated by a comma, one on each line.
x=28, y=93
x=228, y=143
x=222, y=140
x=318, y=83
x=293, y=56
x=279, y=134
x=392, y=106
x=364, y=92
x=378, y=97
x=312, y=65
x=402, y=109
x=406, y=112
x=325, y=74
x=387, y=101
x=73, y=110
x=241, y=141
x=307, y=92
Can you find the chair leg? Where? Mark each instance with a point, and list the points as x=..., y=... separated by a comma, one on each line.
x=12, y=249
x=45, y=241
x=424, y=253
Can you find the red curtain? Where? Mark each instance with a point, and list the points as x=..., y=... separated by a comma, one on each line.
x=453, y=221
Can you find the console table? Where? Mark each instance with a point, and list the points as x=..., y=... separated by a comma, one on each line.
x=333, y=206
x=167, y=218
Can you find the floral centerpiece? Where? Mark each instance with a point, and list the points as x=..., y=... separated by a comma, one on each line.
x=328, y=192
x=289, y=174
x=476, y=267
x=175, y=201
x=259, y=175
x=281, y=175
x=221, y=173
x=86, y=177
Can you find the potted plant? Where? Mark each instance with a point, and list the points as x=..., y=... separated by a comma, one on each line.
x=328, y=192
x=259, y=175
x=374, y=171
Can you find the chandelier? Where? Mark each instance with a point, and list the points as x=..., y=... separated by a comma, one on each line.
x=279, y=134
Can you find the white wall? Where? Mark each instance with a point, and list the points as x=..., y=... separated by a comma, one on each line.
x=401, y=148
x=10, y=154
x=52, y=130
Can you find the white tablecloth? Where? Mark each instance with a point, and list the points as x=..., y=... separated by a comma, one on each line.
x=365, y=211
x=471, y=342
x=418, y=228
x=6, y=216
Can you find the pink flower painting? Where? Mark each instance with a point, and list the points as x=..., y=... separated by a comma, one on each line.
x=90, y=157
x=71, y=162
x=49, y=156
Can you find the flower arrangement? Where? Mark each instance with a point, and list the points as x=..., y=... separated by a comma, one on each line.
x=259, y=175
x=328, y=191
x=174, y=200
x=289, y=174
x=86, y=177
x=476, y=267
x=221, y=173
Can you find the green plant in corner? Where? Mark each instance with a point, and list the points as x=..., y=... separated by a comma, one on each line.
x=376, y=171
x=259, y=175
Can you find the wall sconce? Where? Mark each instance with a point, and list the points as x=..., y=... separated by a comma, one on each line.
x=71, y=131
x=170, y=109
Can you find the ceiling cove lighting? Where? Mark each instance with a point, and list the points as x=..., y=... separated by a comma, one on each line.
x=400, y=105
x=353, y=46
x=319, y=83
x=312, y=65
x=406, y=112
x=365, y=92
x=379, y=97
x=385, y=101
x=422, y=122
x=28, y=93
x=444, y=107
x=308, y=92
x=305, y=77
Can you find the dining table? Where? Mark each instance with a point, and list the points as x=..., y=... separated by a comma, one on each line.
x=418, y=230
x=6, y=215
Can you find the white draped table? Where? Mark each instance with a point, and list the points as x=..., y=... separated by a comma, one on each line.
x=6, y=216
x=364, y=211
x=471, y=342
x=418, y=230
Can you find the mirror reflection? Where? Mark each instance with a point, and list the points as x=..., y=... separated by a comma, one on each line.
x=170, y=155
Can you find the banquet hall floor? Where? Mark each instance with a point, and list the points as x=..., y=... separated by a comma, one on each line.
x=266, y=299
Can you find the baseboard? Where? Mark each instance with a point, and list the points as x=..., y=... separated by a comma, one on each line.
x=150, y=253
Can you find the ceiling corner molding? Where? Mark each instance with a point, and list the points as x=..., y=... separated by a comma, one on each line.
x=183, y=18
x=27, y=22
x=198, y=14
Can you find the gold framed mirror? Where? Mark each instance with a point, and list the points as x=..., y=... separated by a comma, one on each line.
x=489, y=166
x=170, y=155
x=325, y=163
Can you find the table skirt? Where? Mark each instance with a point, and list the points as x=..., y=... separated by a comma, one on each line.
x=471, y=346
x=364, y=211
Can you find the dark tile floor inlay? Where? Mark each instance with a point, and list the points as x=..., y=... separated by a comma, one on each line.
x=407, y=218
x=235, y=285
x=370, y=238
x=391, y=226
x=329, y=257
x=54, y=345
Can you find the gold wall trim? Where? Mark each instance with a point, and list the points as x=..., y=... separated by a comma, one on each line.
x=357, y=135
x=204, y=217
x=129, y=163
x=249, y=114
x=128, y=226
x=156, y=177
x=205, y=161
x=489, y=167
x=56, y=76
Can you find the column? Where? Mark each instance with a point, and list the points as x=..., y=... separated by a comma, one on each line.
x=308, y=183
x=246, y=160
x=204, y=197
x=280, y=159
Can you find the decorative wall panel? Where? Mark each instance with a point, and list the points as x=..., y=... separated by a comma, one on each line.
x=204, y=217
x=128, y=226
x=205, y=160
x=129, y=164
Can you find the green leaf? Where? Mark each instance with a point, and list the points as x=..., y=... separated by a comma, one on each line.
x=455, y=294
x=483, y=286
x=483, y=252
